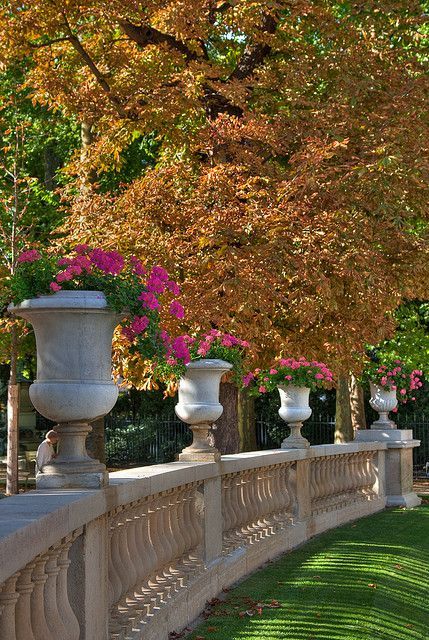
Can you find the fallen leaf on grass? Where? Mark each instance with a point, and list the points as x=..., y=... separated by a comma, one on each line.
x=317, y=577
x=211, y=629
x=409, y=626
x=398, y=566
x=372, y=585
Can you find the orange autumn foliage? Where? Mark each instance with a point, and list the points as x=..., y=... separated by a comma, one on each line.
x=290, y=193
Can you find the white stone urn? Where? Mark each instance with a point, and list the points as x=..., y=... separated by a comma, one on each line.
x=74, y=384
x=199, y=406
x=294, y=410
x=382, y=401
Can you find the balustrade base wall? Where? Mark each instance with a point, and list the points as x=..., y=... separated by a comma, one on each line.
x=140, y=558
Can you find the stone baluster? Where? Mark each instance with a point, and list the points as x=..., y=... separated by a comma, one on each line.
x=53, y=617
x=284, y=492
x=64, y=607
x=179, y=543
x=24, y=588
x=146, y=551
x=236, y=500
x=128, y=574
x=227, y=512
x=253, y=501
x=8, y=600
x=196, y=527
x=314, y=480
x=119, y=581
x=39, y=624
x=158, y=582
x=115, y=583
x=137, y=552
x=362, y=472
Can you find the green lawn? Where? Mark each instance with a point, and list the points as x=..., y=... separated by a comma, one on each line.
x=364, y=581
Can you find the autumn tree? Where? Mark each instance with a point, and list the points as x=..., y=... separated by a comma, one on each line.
x=289, y=192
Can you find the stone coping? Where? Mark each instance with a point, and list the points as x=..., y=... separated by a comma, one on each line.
x=32, y=522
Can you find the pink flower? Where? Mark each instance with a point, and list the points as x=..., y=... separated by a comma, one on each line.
x=82, y=248
x=262, y=389
x=159, y=272
x=140, y=324
x=288, y=377
x=64, y=276
x=319, y=376
x=155, y=285
x=395, y=410
x=403, y=392
x=181, y=350
x=29, y=256
x=137, y=265
x=227, y=341
x=203, y=349
x=55, y=287
x=247, y=379
x=177, y=310
x=149, y=300
x=107, y=261
x=273, y=372
x=173, y=287
x=128, y=333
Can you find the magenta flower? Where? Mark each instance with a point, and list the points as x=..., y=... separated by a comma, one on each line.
x=140, y=324
x=54, y=286
x=173, y=287
x=29, y=256
x=177, y=310
x=159, y=272
x=149, y=300
x=181, y=350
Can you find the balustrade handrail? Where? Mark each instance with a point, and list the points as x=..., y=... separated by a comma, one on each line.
x=160, y=526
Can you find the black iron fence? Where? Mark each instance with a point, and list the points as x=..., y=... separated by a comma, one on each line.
x=160, y=439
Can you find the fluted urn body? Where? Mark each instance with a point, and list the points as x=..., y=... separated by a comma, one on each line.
x=74, y=384
x=199, y=405
x=294, y=410
x=383, y=402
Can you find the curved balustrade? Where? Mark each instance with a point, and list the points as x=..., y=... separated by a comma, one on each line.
x=139, y=558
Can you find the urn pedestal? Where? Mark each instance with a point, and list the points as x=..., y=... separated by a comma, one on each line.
x=199, y=406
x=294, y=410
x=74, y=385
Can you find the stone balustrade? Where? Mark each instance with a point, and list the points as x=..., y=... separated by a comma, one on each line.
x=140, y=557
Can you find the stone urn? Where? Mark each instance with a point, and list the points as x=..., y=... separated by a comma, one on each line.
x=199, y=406
x=294, y=410
x=74, y=384
x=382, y=401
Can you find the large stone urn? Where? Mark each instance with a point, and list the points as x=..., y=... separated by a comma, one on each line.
x=199, y=406
x=382, y=401
x=294, y=410
x=74, y=384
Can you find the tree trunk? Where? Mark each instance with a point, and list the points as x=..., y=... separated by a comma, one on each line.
x=12, y=420
x=87, y=137
x=95, y=442
x=246, y=421
x=357, y=404
x=226, y=437
x=343, y=417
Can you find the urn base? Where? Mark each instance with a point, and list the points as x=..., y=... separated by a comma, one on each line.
x=200, y=456
x=295, y=442
x=72, y=480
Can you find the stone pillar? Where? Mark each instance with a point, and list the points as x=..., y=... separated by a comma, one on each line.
x=212, y=519
x=398, y=464
x=88, y=584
